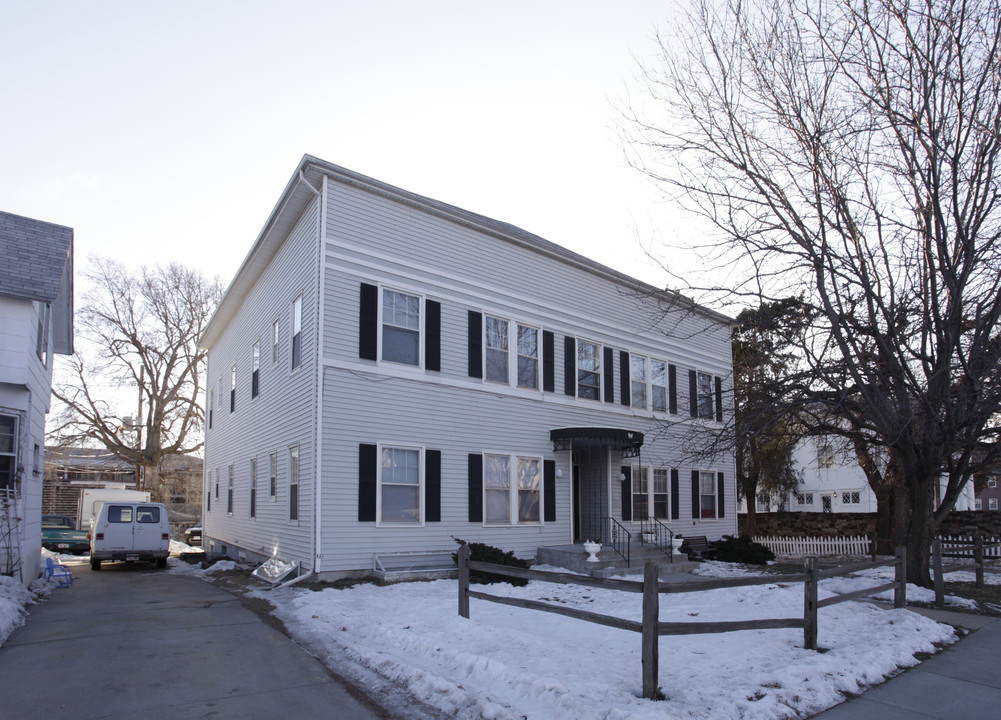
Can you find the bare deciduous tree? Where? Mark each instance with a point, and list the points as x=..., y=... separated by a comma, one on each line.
x=848, y=152
x=134, y=383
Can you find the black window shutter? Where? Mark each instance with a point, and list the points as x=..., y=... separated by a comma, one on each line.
x=720, y=496
x=475, y=488
x=368, y=323
x=548, y=361
x=570, y=365
x=675, y=495
x=609, y=373
x=549, y=489
x=695, y=494
x=624, y=388
x=719, y=399
x=627, y=493
x=432, y=343
x=475, y=344
x=432, y=485
x=368, y=469
x=693, y=393
x=672, y=389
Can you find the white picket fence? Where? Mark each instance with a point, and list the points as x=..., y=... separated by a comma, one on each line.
x=816, y=546
x=964, y=543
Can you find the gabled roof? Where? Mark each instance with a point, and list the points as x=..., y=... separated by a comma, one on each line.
x=36, y=263
x=304, y=186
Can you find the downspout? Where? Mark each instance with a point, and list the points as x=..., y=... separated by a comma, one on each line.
x=318, y=379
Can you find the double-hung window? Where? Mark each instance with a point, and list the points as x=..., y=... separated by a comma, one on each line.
x=293, y=482
x=706, y=396
x=707, y=495
x=992, y=503
x=512, y=487
x=641, y=493
x=253, y=487
x=661, y=489
x=658, y=385
x=273, y=475
x=211, y=405
x=255, y=374
x=588, y=370
x=825, y=456
x=8, y=451
x=297, y=332
x=637, y=378
x=274, y=342
x=229, y=492
x=42, y=349
x=497, y=350
x=232, y=388
x=528, y=357
x=401, y=327
x=400, y=485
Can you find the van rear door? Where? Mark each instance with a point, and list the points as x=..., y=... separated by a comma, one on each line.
x=118, y=529
x=148, y=531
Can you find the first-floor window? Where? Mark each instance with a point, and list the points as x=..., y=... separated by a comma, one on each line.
x=707, y=495
x=217, y=483
x=273, y=475
x=763, y=502
x=400, y=485
x=297, y=332
x=804, y=498
x=851, y=498
x=992, y=503
x=661, y=488
x=253, y=487
x=255, y=371
x=501, y=475
x=978, y=504
x=293, y=482
x=229, y=492
x=641, y=493
x=8, y=450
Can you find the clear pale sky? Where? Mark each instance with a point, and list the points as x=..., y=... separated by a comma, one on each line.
x=166, y=131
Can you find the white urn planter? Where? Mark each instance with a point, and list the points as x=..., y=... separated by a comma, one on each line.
x=592, y=549
x=648, y=537
x=676, y=542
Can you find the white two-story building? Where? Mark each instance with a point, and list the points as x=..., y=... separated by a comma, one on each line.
x=387, y=372
x=36, y=322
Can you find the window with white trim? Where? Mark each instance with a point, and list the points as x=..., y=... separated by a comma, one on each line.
x=211, y=405
x=274, y=342
x=588, y=370
x=707, y=495
x=401, y=479
x=825, y=504
x=763, y=502
x=804, y=498
x=512, y=489
x=297, y=332
x=253, y=487
x=658, y=382
x=229, y=491
x=706, y=396
x=44, y=315
x=8, y=451
x=528, y=357
x=992, y=482
x=273, y=475
x=851, y=497
x=978, y=504
x=232, y=388
x=641, y=492
x=293, y=482
x=992, y=503
x=637, y=380
x=825, y=456
x=255, y=373
x=401, y=327
x=497, y=352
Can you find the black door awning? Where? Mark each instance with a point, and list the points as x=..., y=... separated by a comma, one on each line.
x=582, y=438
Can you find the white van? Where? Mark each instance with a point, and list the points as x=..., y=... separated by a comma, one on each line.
x=129, y=531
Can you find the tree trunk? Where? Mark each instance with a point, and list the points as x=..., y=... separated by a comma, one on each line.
x=152, y=482
x=919, y=525
x=751, y=521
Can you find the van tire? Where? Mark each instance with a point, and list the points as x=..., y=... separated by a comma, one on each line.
x=95, y=564
x=161, y=563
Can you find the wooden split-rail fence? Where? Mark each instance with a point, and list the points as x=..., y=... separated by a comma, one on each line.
x=651, y=628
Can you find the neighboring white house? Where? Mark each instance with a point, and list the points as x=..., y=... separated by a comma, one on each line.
x=36, y=321
x=387, y=371
x=833, y=481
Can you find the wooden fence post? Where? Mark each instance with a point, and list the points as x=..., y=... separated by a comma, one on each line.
x=936, y=567
x=810, y=605
x=464, y=581
x=651, y=638
x=978, y=557
x=900, y=592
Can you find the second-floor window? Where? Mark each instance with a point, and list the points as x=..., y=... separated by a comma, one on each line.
x=658, y=385
x=274, y=342
x=637, y=377
x=401, y=327
x=825, y=456
x=528, y=357
x=255, y=374
x=706, y=396
x=297, y=332
x=253, y=487
x=588, y=370
x=229, y=491
x=497, y=350
x=273, y=475
x=232, y=388
x=293, y=482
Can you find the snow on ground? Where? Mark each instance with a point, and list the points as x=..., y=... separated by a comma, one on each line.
x=14, y=597
x=507, y=662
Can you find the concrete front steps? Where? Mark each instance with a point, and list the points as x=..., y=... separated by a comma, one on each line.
x=610, y=563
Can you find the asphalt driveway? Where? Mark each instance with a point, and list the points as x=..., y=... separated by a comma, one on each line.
x=133, y=642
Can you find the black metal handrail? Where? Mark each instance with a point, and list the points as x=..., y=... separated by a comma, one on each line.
x=663, y=536
x=619, y=539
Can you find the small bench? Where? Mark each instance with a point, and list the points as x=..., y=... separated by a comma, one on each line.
x=698, y=547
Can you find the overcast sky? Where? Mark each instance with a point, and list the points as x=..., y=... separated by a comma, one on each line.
x=166, y=131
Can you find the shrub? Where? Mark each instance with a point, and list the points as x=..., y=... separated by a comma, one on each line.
x=482, y=552
x=742, y=550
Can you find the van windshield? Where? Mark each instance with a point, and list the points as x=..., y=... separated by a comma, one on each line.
x=148, y=515
x=119, y=514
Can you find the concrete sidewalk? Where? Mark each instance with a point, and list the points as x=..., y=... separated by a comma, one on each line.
x=134, y=642
x=962, y=682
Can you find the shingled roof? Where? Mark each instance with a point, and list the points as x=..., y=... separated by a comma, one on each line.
x=35, y=255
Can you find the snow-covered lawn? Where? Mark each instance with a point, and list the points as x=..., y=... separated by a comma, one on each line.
x=507, y=662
